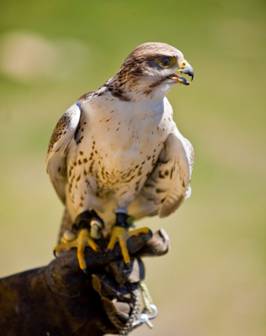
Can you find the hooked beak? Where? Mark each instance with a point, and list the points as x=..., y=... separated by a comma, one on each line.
x=184, y=68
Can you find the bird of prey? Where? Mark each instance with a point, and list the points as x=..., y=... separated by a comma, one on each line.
x=117, y=153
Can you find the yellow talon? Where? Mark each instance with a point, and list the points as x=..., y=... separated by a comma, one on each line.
x=120, y=235
x=81, y=241
x=84, y=240
x=136, y=232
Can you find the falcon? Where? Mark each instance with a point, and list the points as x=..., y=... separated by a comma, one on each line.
x=116, y=154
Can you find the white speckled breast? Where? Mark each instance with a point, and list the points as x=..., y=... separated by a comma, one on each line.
x=118, y=146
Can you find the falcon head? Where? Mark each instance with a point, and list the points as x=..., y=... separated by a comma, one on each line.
x=152, y=68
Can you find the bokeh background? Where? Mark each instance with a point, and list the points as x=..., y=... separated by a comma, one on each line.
x=213, y=280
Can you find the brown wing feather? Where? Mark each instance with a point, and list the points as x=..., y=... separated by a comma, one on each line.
x=169, y=182
x=57, y=151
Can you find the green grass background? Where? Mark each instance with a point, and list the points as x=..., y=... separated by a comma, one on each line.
x=212, y=283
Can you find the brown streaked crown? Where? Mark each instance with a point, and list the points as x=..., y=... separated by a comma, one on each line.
x=135, y=62
x=148, y=49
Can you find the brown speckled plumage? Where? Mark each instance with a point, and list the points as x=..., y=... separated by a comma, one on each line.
x=59, y=130
x=119, y=148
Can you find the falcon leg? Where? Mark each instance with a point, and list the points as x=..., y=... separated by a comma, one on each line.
x=120, y=234
x=83, y=235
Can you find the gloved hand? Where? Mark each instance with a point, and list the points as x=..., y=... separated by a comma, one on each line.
x=59, y=299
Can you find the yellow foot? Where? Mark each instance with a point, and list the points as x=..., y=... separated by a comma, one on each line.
x=80, y=241
x=120, y=235
x=136, y=232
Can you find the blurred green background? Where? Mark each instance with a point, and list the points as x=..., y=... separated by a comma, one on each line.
x=213, y=280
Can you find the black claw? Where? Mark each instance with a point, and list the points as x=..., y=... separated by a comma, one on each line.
x=85, y=271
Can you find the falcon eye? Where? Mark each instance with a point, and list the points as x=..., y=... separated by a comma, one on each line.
x=166, y=61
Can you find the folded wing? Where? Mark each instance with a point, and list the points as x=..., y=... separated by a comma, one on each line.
x=168, y=184
x=62, y=135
